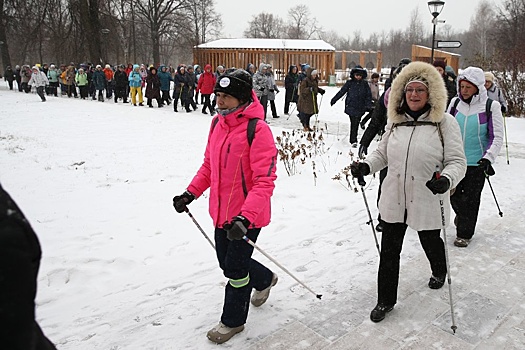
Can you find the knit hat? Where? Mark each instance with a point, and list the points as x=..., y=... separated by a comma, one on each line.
x=417, y=79
x=440, y=63
x=98, y=66
x=489, y=77
x=237, y=83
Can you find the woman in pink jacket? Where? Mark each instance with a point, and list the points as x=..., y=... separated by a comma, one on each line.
x=206, y=85
x=239, y=168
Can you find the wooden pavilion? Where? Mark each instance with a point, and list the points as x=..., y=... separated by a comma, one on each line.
x=280, y=53
x=423, y=53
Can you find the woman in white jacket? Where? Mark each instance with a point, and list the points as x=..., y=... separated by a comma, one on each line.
x=39, y=80
x=420, y=141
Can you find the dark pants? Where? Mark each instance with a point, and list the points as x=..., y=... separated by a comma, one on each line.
x=19, y=84
x=305, y=119
x=53, y=88
x=101, y=95
x=288, y=98
x=391, y=244
x=207, y=103
x=10, y=82
x=159, y=101
x=40, y=92
x=264, y=101
x=354, y=126
x=71, y=89
x=190, y=101
x=235, y=260
x=109, y=90
x=367, y=117
x=165, y=96
x=26, y=88
x=121, y=92
x=83, y=91
x=19, y=263
x=179, y=94
x=466, y=201
x=274, y=110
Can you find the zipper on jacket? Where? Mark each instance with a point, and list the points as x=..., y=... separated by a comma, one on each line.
x=406, y=167
x=227, y=155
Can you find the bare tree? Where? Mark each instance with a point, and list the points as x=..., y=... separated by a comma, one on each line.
x=300, y=24
x=265, y=25
x=157, y=15
x=206, y=22
x=481, y=24
x=415, y=31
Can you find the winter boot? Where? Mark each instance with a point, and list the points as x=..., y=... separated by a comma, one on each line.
x=379, y=312
x=436, y=282
x=141, y=104
x=222, y=333
x=379, y=227
x=204, y=112
x=461, y=242
x=259, y=297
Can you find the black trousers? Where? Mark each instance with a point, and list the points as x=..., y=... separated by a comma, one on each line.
x=53, y=88
x=40, y=92
x=288, y=98
x=272, y=106
x=20, y=255
x=206, y=103
x=83, y=89
x=121, y=92
x=354, y=126
x=466, y=201
x=264, y=101
x=165, y=98
x=235, y=261
x=391, y=245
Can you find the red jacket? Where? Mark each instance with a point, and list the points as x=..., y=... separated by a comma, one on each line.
x=241, y=178
x=207, y=81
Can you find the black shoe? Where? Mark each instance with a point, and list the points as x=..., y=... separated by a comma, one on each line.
x=204, y=112
x=379, y=227
x=362, y=126
x=175, y=110
x=141, y=104
x=379, y=312
x=150, y=106
x=436, y=282
x=188, y=111
x=276, y=116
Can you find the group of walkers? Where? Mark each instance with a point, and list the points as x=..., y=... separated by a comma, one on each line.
x=438, y=150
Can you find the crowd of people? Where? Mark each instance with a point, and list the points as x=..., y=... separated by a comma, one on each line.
x=437, y=140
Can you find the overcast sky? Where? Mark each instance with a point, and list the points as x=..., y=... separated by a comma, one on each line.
x=346, y=17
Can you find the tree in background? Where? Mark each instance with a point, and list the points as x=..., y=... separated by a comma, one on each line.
x=265, y=25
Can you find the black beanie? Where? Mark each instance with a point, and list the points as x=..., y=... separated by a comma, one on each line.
x=237, y=83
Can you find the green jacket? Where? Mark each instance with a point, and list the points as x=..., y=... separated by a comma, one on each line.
x=81, y=79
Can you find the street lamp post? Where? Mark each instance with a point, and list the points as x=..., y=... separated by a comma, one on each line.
x=435, y=8
x=105, y=33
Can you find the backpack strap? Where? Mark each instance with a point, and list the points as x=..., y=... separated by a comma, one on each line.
x=454, y=107
x=250, y=131
x=488, y=106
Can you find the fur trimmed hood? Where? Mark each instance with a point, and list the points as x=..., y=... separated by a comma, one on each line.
x=437, y=91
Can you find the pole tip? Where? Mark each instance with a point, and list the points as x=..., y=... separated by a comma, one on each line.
x=454, y=329
x=318, y=296
x=501, y=213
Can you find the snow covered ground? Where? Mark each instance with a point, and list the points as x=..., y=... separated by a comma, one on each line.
x=122, y=270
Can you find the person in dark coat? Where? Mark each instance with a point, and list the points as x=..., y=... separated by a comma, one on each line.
x=99, y=81
x=121, y=84
x=308, y=90
x=450, y=83
x=9, y=76
x=20, y=255
x=153, y=87
x=291, y=85
x=192, y=84
x=180, y=90
x=18, y=78
x=358, y=99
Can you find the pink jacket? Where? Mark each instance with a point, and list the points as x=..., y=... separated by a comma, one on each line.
x=241, y=178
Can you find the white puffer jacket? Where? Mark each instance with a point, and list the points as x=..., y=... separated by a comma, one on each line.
x=413, y=152
x=38, y=78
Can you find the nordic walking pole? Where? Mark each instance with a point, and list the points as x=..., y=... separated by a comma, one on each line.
x=506, y=143
x=449, y=279
x=293, y=109
x=199, y=227
x=250, y=242
x=493, y=194
x=362, y=183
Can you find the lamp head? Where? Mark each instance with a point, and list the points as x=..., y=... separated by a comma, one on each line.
x=435, y=7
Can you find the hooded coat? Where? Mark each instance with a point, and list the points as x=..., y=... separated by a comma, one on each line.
x=261, y=83
x=152, y=84
x=291, y=82
x=482, y=136
x=38, y=78
x=165, y=79
x=206, y=81
x=308, y=90
x=135, y=79
x=240, y=177
x=358, y=95
x=413, y=152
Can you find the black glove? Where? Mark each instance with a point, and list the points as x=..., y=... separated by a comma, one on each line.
x=438, y=185
x=321, y=91
x=486, y=166
x=503, y=109
x=363, y=151
x=271, y=90
x=261, y=89
x=237, y=228
x=180, y=202
x=359, y=170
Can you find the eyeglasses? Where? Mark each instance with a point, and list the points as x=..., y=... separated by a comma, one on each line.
x=418, y=92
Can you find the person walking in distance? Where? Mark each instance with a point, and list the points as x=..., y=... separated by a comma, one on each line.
x=291, y=85
x=39, y=81
x=240, y=174
x=205, y=86
x=358, y=99
x=423, y=150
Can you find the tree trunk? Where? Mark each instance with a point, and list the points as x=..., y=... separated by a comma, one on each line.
x=4, y=47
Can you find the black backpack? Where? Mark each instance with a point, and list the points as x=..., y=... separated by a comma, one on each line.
x=250, y=131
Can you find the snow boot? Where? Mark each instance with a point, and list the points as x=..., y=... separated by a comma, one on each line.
x=222, y=333
x=379, y=312
x=461, y=242
x=436, y=282
x=259, y=297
